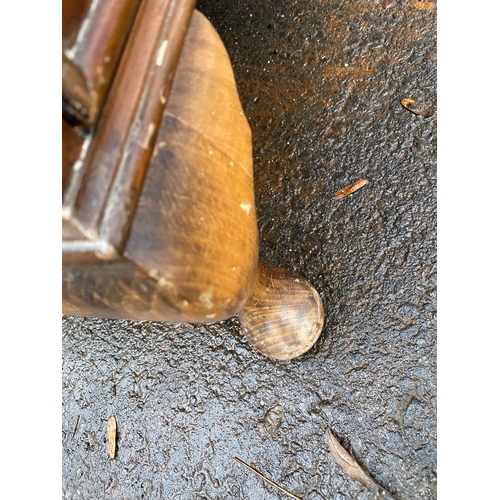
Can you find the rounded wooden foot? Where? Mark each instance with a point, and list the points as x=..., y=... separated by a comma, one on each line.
x=284, y=316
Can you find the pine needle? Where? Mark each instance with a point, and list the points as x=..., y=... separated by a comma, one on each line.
x=266, y=479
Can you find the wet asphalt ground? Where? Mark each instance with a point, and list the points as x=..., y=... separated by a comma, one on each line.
x=321, y=83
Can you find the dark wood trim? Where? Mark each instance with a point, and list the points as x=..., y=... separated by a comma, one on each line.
x=114, y=167
x=94, y=34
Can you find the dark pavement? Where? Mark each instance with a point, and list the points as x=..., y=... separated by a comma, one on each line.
x=321, y=83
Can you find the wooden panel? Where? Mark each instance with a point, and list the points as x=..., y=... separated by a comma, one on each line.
x=72, y=144
x=192, y=251
x=195, y=225
x=115, y=289
x=118, y=155
x=73, y=14
x=94, y=34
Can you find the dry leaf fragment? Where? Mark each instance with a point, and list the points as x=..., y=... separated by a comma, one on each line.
x=342, y=193
x=112, y=436
x=418, y=108
x=424, y=5
x=352, y=468
x=271, y=421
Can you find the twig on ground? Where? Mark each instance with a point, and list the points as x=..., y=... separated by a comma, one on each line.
x=112, y=436
x=266, y=479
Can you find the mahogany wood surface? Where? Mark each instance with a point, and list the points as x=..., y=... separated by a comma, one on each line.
x=94, y=33
x=72, y=143
x=111, y=176
x=191, y=254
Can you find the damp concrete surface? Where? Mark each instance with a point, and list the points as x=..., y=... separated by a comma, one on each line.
x=321, y=84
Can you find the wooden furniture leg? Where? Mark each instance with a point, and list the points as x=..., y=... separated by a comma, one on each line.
x=191, y=251
x=284, y=316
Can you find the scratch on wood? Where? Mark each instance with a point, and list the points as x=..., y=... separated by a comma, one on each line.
x=161, y=53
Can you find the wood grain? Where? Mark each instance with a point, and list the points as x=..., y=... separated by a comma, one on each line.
x=93, y=36
x=118, y=156
x=284, y=316
x=195, y=224
x=191, y=253
x=72, y=143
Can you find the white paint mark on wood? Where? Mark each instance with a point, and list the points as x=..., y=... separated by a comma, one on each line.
x=100, y=75
x=163, y=282
x=149, y=134
x=163, y=99
x=246, y=207
x=206, y=299
x=161, y=53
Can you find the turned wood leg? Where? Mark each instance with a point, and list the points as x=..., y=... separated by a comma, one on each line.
x=190, y=252
x=284, y=316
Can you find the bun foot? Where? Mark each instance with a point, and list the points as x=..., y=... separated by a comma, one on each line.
x=284, y=316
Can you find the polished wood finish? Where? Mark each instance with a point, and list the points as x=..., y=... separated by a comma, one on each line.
x=159, y=218
x=284, y=316
x=94, y=33
x=195, y=225
x=72, y=145
x=113, y=171
x=73, y=15
x=191, y=253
